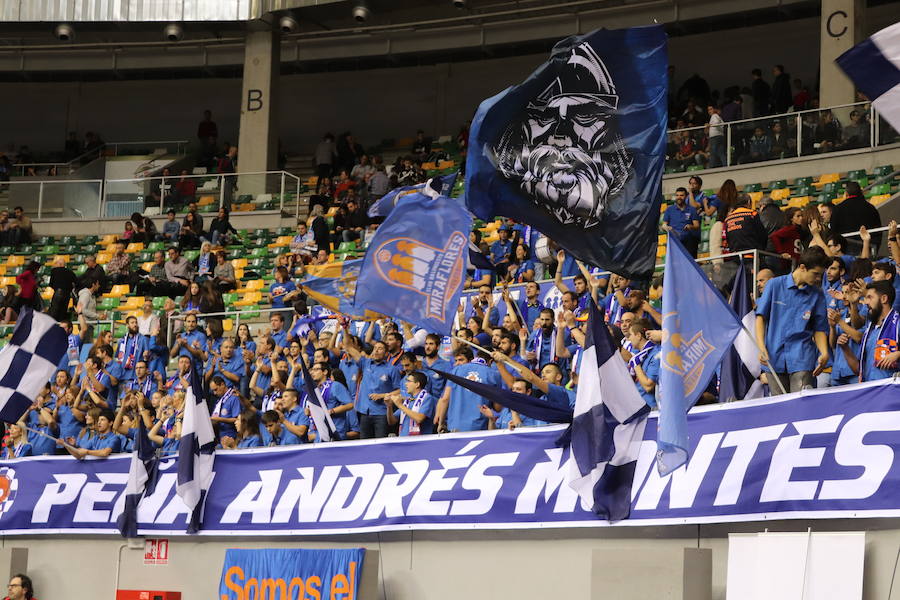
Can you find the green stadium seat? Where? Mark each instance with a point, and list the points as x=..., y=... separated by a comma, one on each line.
x=45, y=240
x=251, y=312
x=778, y=184
x=159, y=302
x=230, y=298
x=67, y=240
x=191, y=255
x=90, y=239
x=155, y=246
x=803, y=181
x=695, y=168
x=856, y=174
x=832, y=187
x=883, y=170
x=108, y=304
x=752, y=187
x=45, y=250
x=79, y=270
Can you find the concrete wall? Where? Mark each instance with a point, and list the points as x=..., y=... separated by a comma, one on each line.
x=438, y=565
x=374, y=104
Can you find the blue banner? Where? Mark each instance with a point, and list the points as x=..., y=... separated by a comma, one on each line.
x=415, y=266
x=291, y=573
x=811, y=455
x=578, y=149
x=441, y=184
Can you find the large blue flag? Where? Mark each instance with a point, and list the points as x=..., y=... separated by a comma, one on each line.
x=415, y=266
x=698, y=328
x=874, y=67
x=739, y=379
x=578, y=149
x=442, y=184
x=334, y=286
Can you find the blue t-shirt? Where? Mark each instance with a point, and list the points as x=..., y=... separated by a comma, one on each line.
x=253, y=441
x=189, y=338
x=530, y=312
x=436, y=383
x=376, y=378
x=870, y=372
x=500, y=251
x=678, y=218
x=24, y=450
x=280, y=338
x=69, y=426
x=426, y=408
x=296, y=416
x=229, y=407
x=651, y=370
x=40, y=444
x=108, y=440
x=129, y=351
x=338, y=395
x=234, y=365
x=279, y=290
x=792, y=315
x=463, y=413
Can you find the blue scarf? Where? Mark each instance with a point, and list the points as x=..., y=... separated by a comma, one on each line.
x=886, y=343
x=639, y=357
x=416, y=406
x=203, y=264
x=325, y=392
x=614, y=315
x=127, y=357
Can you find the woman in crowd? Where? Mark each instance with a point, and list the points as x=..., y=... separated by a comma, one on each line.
x=8, y=312
x=247, y=427
x=205, y=263
x=190, y=302
x=224, y=276
x=17, y=444
x=191, y=232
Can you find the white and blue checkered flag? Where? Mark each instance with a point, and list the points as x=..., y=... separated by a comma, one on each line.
x=37, y=345
x=195, y=451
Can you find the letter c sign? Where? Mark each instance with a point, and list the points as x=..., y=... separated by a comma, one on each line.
x=833, y=29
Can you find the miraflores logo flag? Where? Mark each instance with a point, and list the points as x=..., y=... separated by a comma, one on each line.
x=698, y=328
x=874, y=67
x=578, y=149
x=414, y=268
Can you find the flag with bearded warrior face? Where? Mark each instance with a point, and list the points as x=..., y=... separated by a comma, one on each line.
x=578, y=149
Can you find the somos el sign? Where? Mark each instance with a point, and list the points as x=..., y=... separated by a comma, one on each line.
x=291, y=574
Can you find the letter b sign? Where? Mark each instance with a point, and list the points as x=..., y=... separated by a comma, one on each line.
x=254, y=100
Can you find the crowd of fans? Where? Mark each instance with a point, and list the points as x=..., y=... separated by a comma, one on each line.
x=376, y=378
x=698, y=115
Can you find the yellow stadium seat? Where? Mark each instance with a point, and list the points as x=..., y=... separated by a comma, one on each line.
x=879, y=199
x=227, y=324
x=663, y=207
x=661, y=239
x=839, y=200
x=132, y=302
x=134, y=247
x=206, y=200
x=15, y=260
x=255, y=284
x=239, y=263
x=428, y=166
x=782, y=194
x=47, y=293
x=755, y=197
x=249, y=299
x=103, y=257
x=5, y=281
x=491, y=226
x=332, y=211
x=147, y=266
x=406, y=142
x=109, y=239
x=132, y=313
x=446, y=164
x=118, y=291
x=660, y=251
x=238, y=274
x=827, y=178
x=312, y=181
x=66, y=257
x=281, y=241
x=2, y=270
x=798, y=201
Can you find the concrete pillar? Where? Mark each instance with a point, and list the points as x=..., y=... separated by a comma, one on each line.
x=258, y=139
x=13, y=561
x=841, y=29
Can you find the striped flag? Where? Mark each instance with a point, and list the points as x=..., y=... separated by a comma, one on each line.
x=195, y=451
x=874, y=67
x=37, y=345
x=741, y=368
x=608, y=425
x=141, y=480
x=317, y=409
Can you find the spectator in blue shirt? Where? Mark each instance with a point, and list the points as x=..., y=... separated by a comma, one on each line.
x=414, y=409
x=879, y=349
x=113, y=373
x=377, y=379
x=432, y=360
x=531, y=306
x=191, y=342
x=792, y=323
x=484, y=301
x=682, y=220
x=459, y=409
x=697, y=198
x=247, y=426
x=643, y=363
x=524, y=266
x=282, y=291
x=501, y=249
x=226, y=364
x=227, y=407
x=334, y=394
x=16, y=445
x=279, y=333
x=105, y=440
x=131, y=349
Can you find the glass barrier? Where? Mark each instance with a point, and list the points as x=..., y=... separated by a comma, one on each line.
x=777, y=137
x=238, y=192
x=58, y=199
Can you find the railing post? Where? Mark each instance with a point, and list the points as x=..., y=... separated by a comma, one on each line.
x=40, y=198
x=281, y=204
x=799, y=134
x=728, y=145
x=101, y=193
x=876, y=128
x=221, y=191
x=162, y=195
x=755, y=272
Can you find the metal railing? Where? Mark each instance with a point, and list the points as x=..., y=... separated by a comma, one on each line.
x=105, y=149
x=800, y=131
x=77, y=195
x=280, y=183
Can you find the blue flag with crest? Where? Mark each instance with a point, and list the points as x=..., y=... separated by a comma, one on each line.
x=415, y=266
x=578, y=149
x=442, y=184
x=698, y=328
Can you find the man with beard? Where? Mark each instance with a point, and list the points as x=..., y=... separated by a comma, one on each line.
x=879, y=351
x=614, y=304
x=131, y=349
x=377, y=379
x=393, y=341
x=682, y=221
x=542, y=343
x=565, y=153
x=432, y=360
x=531, y=306
x=581, y=293
x=483, y=302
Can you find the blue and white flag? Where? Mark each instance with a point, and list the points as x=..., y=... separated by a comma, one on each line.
x=739, y=378
x=607, y=427
x=28, y=361
x=874, y=67
x=698, y=328
x=195, y=451
x=142, y=476
x=415, y=266
x=318, y=410
x=442, y=184
x=578, y=149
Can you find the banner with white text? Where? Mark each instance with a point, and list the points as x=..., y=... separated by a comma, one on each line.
x=812, y=455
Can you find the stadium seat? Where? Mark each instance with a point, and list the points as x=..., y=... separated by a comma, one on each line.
x=780, y=194
x=798, y=201
x=803, y=181
x=753, y=187
x=281, y=242
x=879, y=199
x=118, y=291
x=239, y=263
x=159, y=302
x=103, y=257
x=15, y=260
x=227, y=324
x=828, y=178
x=883, y=170
x=45, y=250
x=132, y=303
x=250, y=299
x=254, y=284
x=206, y=200
x=109, y=239
x=134, y=247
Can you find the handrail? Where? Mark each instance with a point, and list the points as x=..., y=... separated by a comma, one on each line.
x=764, y=117
x=99, y=149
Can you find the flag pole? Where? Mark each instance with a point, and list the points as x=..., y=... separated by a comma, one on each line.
x=49, y=437
x=779, y=385
x=518, y=367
